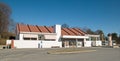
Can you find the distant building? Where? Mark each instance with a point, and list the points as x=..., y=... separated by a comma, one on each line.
x=30, y=36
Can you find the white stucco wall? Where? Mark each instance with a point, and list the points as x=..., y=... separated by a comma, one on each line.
x=34, y=44
x=20, y=36
x=79, y=44
x=49, y=44
x=97, y=43
x=58, y=32
x=26, y=44
x=8, y=42
x=87, y=44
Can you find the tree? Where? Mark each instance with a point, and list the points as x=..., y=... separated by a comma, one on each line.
x=114, y=37
x=12, y=26
x=6, y=24
x=97, y=32
x=5, y=13
x=88, y=30
x=118, y=40
x=65, y=26
x=101, y=33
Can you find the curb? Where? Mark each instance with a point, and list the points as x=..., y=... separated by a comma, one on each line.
x=71, y=52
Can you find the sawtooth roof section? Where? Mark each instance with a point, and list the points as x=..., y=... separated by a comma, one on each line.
x=23, y=28
x=45, y=29
x=68, y=31
x=33, y=28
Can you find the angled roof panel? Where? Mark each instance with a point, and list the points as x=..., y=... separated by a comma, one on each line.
x=75, y=32
x=33, y=28
x=51, y=29
x=43, y=29
x=68, y=31
x=80, y=31
x=63, y=32
x=23, y=28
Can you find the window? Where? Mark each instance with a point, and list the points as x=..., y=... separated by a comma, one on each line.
x=26, y=38
x=30, y=38
x=87, y=40
x=41, y=37
x=33, y=38
x=72, y=42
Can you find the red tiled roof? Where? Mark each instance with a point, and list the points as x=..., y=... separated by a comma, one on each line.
x=33, y=28
x=72, y=31
x=23, y=28
x=75, y=32
x=51, y=30
x=80, y=31
x=68, y=31
x=64, y=32
x=45, y=29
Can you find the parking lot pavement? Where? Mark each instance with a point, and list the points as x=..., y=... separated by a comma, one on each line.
x=101, y=54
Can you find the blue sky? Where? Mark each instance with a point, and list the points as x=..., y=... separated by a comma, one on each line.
x=94, y=14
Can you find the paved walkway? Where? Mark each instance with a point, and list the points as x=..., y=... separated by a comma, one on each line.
x=101, y=54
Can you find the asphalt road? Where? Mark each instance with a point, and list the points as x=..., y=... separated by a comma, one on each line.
x=101, y=54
